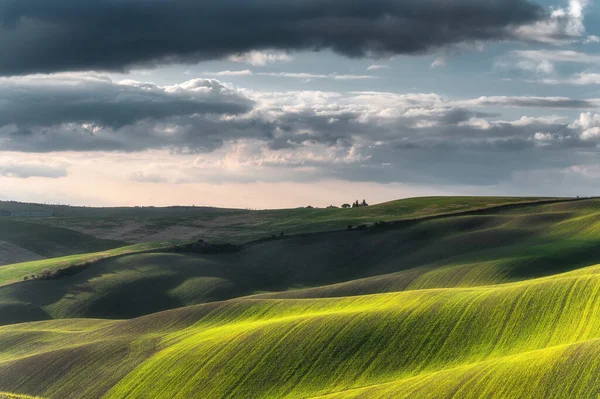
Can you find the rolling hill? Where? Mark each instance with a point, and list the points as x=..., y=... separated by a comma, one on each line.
x=21, y=241
x=80, y=230
x=498, y=302
x=144, y=224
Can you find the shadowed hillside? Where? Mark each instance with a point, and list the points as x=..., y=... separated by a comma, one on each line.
x=75, y=230
x=21, y=241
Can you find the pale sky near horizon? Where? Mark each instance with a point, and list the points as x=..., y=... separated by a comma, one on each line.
x=284, y=103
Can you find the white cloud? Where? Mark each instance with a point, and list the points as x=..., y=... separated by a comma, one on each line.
x=301, y=75
x=579, y=79
x=588, y=124
x=564, y=26
x=375, y=67
x=526, y=101
x=556, y=56
x=245, y=72
x=592, y=39
x=32, y=168
x=544, y=67
x=353, y=77
x=261, y=58
x=294, y=75
x=439, y=62
x=543, y=137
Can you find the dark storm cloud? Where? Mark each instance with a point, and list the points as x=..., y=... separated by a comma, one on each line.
x=59, y=35
x=73, y=112
x=45, y=102
x=353, y=138
x=189, y=134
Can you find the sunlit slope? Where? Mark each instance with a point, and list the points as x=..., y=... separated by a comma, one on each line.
x=479, y=338
x=18, y=271
x=491, y=247
x=568, y=371
x=6, y=395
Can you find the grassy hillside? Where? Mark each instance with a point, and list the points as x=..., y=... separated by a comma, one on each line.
x=530, y=339
x=6, y=395
x=499, y=303
x=491, y=247
x=34, y=241
x=137, y=225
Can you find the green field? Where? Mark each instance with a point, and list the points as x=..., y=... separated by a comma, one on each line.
x=502, y=302
x=138, y=225
x=33, y=241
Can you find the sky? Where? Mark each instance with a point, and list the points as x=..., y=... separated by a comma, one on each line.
x=284, y=103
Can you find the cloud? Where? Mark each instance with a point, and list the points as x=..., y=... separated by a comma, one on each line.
x=261, y=58
x=144, y=177
x=245, y=135
x=353, y=77
x=592, y=39
x=564, y=25
x=23, y=170
x=525, y=101
x=589, y=126
x=245, y=72
x=439, y=62
x=293, y=75
x=376, y=67
x=543, y=67
x=580, y=79
x=556, y=56
x=97, y=101
x=301, y=75
x=542, y=62
x=91, y=112
x=69, y=35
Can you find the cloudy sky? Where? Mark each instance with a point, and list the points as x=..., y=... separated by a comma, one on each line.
x=283, y=103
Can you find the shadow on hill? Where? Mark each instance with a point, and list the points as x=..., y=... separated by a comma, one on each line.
x=547, y=260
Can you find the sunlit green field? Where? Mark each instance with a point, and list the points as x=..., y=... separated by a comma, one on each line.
x=503, y=303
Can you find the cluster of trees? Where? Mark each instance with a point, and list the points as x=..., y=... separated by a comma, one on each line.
x=59, y=273
x=355, y=204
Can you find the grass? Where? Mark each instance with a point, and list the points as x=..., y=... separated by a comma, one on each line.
x=492, y=247
x=17, y=272
x=502, y=303
x=49, y=241
x=420, y=343
x=136, y=225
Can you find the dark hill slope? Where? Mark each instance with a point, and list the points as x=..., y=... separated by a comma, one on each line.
x=45, y=241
